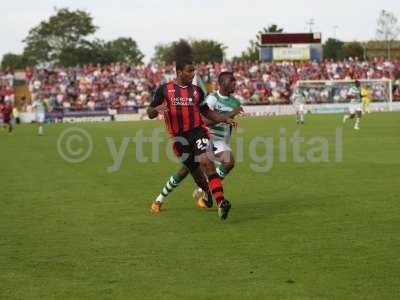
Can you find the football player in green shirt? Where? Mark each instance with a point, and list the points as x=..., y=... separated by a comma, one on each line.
x=222, y=102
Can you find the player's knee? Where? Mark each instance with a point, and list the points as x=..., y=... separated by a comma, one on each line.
x=206, y=164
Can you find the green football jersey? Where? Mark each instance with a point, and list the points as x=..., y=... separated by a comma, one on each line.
x=298, y=96
x=355, y=95
x=39, y=106
x=223, y=105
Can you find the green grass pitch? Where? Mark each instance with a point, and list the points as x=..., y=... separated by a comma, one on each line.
x=327, y=230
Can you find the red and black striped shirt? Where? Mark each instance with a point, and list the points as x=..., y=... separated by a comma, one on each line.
x=6, y=110
x=184, y=103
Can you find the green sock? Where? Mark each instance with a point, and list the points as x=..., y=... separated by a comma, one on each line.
x=177, y=178
x=171, y=184
x=221, y=171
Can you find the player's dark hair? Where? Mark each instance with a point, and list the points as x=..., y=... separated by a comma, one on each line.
x=180, y=64
x=222, y=75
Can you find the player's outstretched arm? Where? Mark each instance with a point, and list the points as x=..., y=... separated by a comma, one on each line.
x=218, y=118
x=237, y=111
x=232, y=115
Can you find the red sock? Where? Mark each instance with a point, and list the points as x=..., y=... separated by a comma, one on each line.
x=215, y=186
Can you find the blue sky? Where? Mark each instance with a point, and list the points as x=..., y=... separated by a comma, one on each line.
x=232, y=22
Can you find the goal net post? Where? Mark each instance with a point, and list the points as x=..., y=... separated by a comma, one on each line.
x=337, y=92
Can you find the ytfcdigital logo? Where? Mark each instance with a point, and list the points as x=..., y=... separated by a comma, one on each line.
x=75, y=145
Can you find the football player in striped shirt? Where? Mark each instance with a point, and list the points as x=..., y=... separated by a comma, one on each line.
x=298, y=103
x=6, y=110
x=355, y=107
x=183, y=106
x=225, y=104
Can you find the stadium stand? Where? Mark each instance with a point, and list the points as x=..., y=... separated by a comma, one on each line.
x=126, y=88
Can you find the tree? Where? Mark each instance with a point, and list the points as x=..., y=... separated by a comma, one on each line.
x=64, y=30
x=125, y=50
x=336, y=49
x=197, y=50
x=15, y=61
x=253, y=51
x=163, y=53
x=101, y=52
x=352, y=49
x=169, y=53
x=62, y=39
x=333, y=48
x=87, y=53
x=207, y=51
x=388, y=29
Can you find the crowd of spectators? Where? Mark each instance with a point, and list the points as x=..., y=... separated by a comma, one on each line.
x=271, y=83
x=121, y=86
x=116, y=86
x=7, y=92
